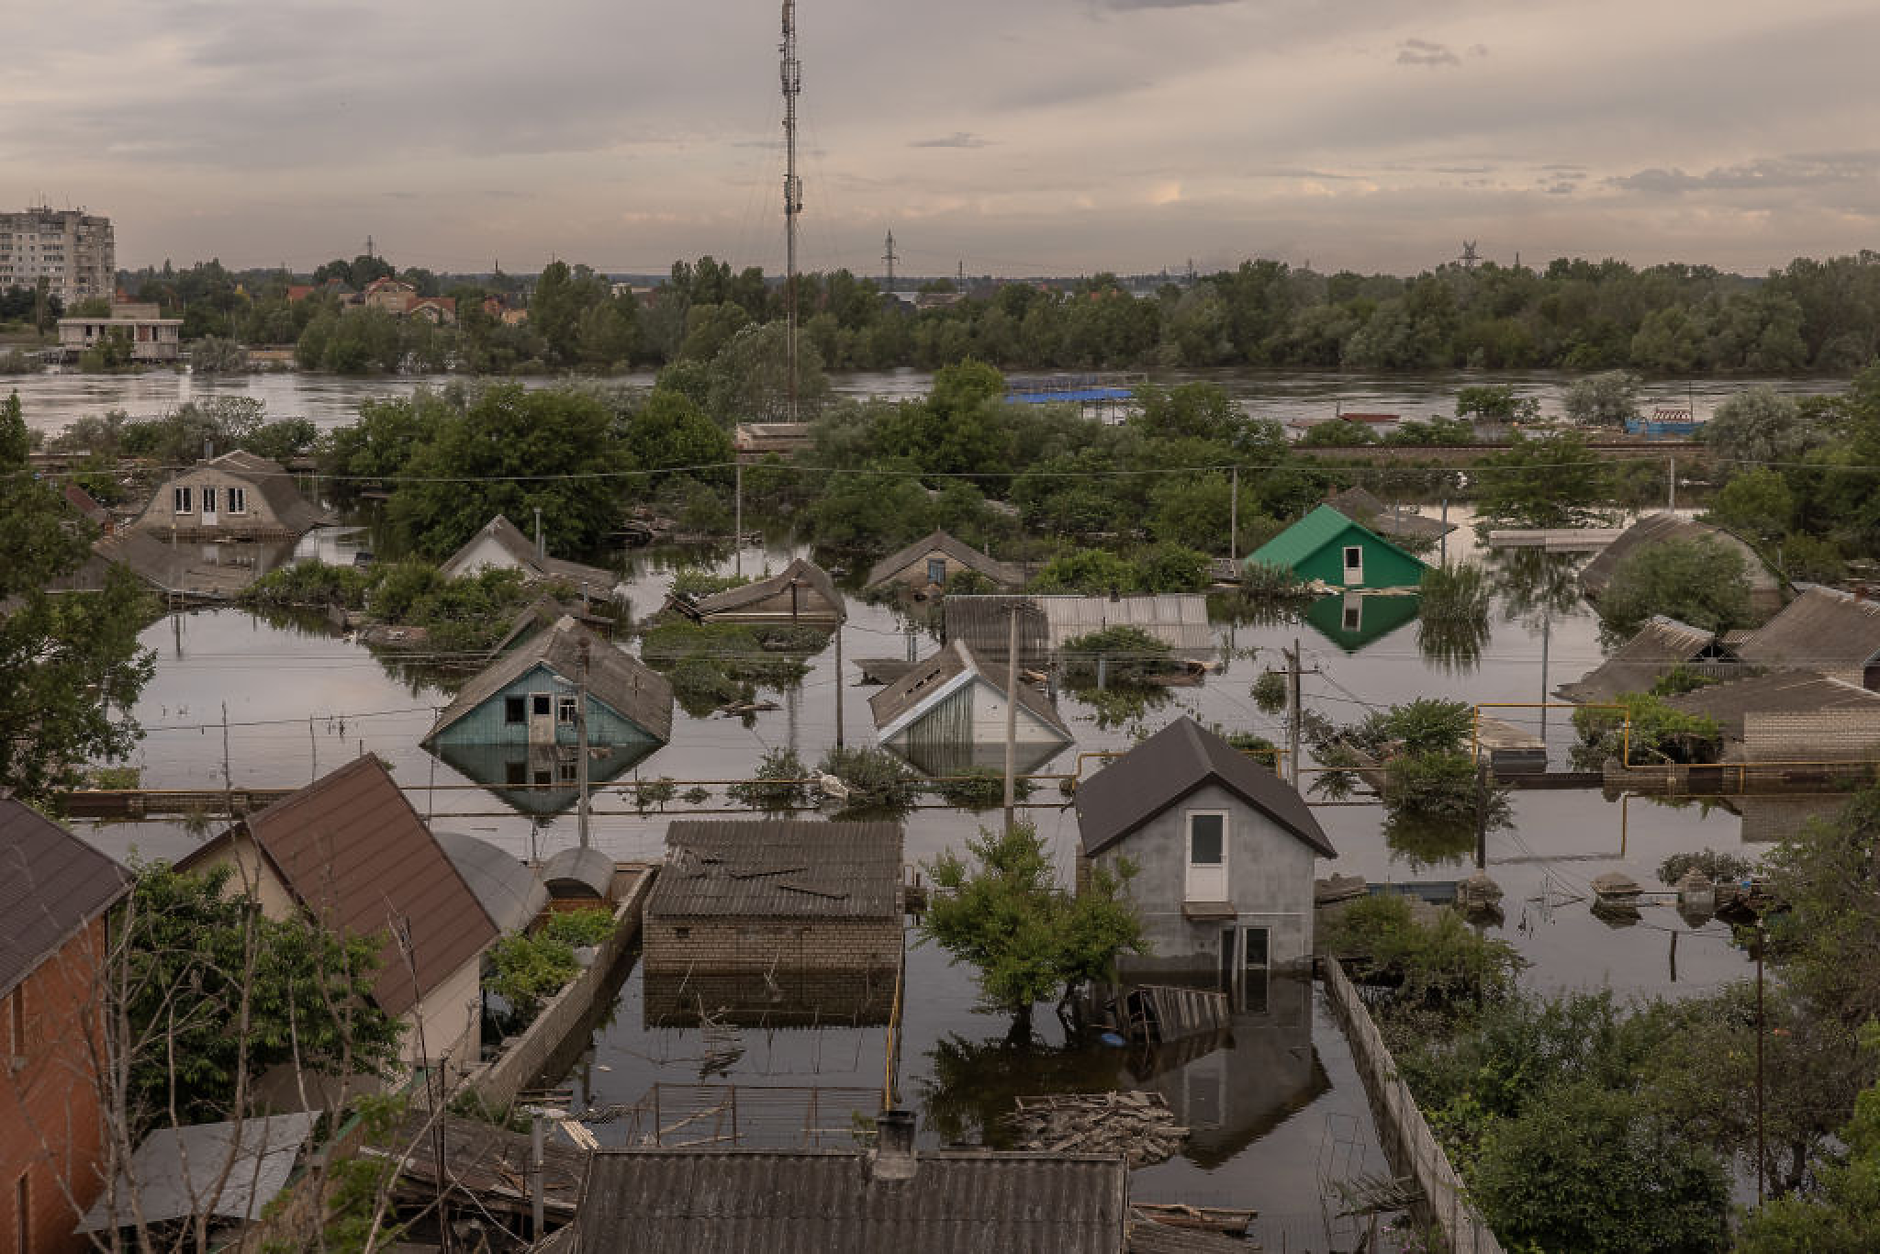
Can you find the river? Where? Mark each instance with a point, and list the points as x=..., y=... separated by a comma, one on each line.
x=55, y=400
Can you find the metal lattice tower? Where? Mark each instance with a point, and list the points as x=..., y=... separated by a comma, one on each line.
x=890, y=258
x=1469, y=255
x=792, y=75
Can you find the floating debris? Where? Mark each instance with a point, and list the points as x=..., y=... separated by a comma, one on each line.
x=1138, y=1125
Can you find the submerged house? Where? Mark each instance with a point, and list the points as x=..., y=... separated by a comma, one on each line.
x=802, y=593
x=948, y=713
x=350, y=852
x=1823, y=629
x=775, y=918
x=1661, y=645
x=1224, y=849
x=515, y=725
x=1329, y=548
x=500, y=545
x=1353, y=621
x=1768, y=589
x=1046, y=622
x=1393, y=522
x=181, y=571
x=237, y=496
x=925, y=566
x=1790, y=716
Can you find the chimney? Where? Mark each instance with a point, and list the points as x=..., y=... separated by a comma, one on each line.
x=894, y=1146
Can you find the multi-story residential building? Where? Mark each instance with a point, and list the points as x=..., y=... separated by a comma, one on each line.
x=72, y=250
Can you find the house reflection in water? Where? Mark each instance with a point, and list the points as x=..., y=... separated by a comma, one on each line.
x=1232, y=1088
x=540, y=780
x=1354, y=621
x=757, y=999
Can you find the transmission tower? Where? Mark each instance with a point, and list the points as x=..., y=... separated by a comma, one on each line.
x=792, y=75
x=1469, y=255
x=889, y=258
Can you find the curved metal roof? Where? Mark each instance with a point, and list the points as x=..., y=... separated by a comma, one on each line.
x=578, y=872
x=510, y=892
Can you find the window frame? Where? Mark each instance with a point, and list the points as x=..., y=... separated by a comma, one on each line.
x=515, y=710
x=182, y=499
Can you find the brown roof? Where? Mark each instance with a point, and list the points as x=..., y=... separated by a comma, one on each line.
x=1171, y=764
x=1640, y=662
x=617, y=679
x=51, y=885
x=801, y=570
x=657, y=1201
x=931, y=676
x=166, y=567
x=1004, y=574
x=1824, y=629
x=521, y=550
x=779, y=868
x=353, y=852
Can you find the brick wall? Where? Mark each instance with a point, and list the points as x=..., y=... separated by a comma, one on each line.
x=677, y=944
x=50, y=1122
x=1827, y=736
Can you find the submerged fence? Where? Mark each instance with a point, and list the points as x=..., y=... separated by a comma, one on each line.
x=1402, y=1130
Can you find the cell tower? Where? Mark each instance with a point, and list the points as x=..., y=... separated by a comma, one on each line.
x=1469, y=255
x=889, y=257
x=792, y=74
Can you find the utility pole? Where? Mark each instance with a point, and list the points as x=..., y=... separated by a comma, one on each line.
x=581, y=741
x=1294, y=661
x=1759, y=1059
x=1011, y=709
x=1481, y=810
x=1671, y=481
x=839, y=625
x=541, y=553
x=1233, y=518
x=737, y=535
x=791, y=72
x=890, y=259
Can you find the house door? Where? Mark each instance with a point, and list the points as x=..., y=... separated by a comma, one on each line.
x=1207, y=856
x=541, y=719
x=209, y=516
x=1354, y=565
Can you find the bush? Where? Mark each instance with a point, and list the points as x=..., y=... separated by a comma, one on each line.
x=1427, y=963
x=691, y=581
x=1659, y=734
x=1259, y=580
x=778, y=784
x=1130, y=656
x=1171, y=568
x=1095, y=572
x=1703, y=582
x=877, y=780
x=980, y=788
x=580, y=928
x=1714, y=865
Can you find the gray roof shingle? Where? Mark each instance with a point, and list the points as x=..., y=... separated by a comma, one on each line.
x=1823, y=629
x=1640, y=662
x=51, y=885
x=521, y=550
x=779, y=868
x=628, y=686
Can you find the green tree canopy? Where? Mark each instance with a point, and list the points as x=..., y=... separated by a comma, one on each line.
x=1702, y=581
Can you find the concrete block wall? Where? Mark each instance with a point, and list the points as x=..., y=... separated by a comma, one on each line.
x=1826, y=736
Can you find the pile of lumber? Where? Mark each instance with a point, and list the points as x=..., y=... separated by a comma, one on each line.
x=1138, y=1125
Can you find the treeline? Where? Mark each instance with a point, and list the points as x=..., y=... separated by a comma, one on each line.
x=1812, y=316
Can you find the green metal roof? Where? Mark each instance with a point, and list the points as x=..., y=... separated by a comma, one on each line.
x=1300, y=541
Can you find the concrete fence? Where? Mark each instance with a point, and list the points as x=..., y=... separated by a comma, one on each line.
x=496, y=1083
x=1412, y=1148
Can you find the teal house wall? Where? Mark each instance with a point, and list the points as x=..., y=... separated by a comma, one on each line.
x=1314, y=548
x=487, y=723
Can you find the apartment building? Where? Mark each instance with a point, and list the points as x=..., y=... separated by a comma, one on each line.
x=72, y=250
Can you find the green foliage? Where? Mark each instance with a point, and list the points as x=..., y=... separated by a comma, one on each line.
x=1095, y=572
x=1703, y=582
x=214, y=355
x=1427, y=725
x=1261, y=581
x=358, y=1182
x=1271, y=691
x=1659, y=733
x=711, y=664
x=214, y=990
x=1680, y=679
x=653, y=794
x=1550, y=481
x=980, y=788
x=693, y=582
x=1604, y=400
x=1452, y=622
x=1171, y=568
x=1129, y=657
x=1441, y=789
x=526, y=970
x=1494, y=402
x=314, y=584
x=1714, y=866
x=1437, y=964
x=1763, y=425
x=1029, y=939
x=878, y=782
x=778, y=784
x=581, y=929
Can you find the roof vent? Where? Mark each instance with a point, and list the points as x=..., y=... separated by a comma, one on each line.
x=894, y=1146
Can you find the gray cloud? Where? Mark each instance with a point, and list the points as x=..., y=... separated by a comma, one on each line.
x=1127, y=5
x=1784, y=173
x=958, y=139
x=1423, y=52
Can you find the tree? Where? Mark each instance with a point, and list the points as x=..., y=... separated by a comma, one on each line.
x=1841, y=1214
x=1030, y=939
x=1702, y=581
x=1762, y=425
x=1552, y=481
x=70, y=664
x=214, y=355
x=1494, y=402
x=1604, y=400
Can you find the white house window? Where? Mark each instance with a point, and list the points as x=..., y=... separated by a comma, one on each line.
x=1354, y=564
x=208, y=500
x=181, y=501
x=237, y=500
x=565, y=708
x=1206, y=879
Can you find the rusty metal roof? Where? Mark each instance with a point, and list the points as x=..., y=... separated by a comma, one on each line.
x=829, y=1202
x=353, y=852
x=1171, y=764
x=779, y=868
x=51, y=885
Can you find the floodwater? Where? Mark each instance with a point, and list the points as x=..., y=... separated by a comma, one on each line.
x=1279, y=1105
x=52, y=401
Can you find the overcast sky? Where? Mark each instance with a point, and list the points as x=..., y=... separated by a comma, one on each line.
x=1014, y=136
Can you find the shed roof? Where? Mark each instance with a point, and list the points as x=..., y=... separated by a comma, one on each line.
x=179, y=1173
x=1002, y=573
x=1387, y=520
x=1173, y=763
x=1658, y=528
x=521, y=550
x=830, y=1202
x=616, y=678
x=779, y=868
x=51, y=885
x=933, y=679
x=355, y=855
x=511, y=894
x=1823, y=629
x=578, y=867
x=1299, y=542
x=1782, y=692
x=800, y=570
x=1636, y=665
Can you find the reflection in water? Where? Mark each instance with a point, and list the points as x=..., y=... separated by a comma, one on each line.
x=1536, y=585
x=540, y=779
x=785, y=998
x=1427, y=842
x=1454, y=643
x=1353, y=621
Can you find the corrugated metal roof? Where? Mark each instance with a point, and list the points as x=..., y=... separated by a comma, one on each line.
x=353, y=852
x=51, y=885
x=779, y=868
x=1177, y=619
x=1636, y=665
x=1823, y=629
x=929, y=680
x=1323, y=526
x=981, y=623
x=1784, y=692
x=521, y=551
x=628, y=686
x=229, y=1170
x=801, y=570
x=1173, y=763
x=1002, y=573
x=829, y=1202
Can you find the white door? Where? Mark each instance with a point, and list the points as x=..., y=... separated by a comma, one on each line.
x=1354, y=565
x=1207, y=856
x=209, y=516
x=541, y=719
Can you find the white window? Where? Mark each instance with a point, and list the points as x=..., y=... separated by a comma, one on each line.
x=565, y=708
x=1354, y=564
x=180, y=501
x=208, y=500
x=1206, y=879
x=237, y=500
